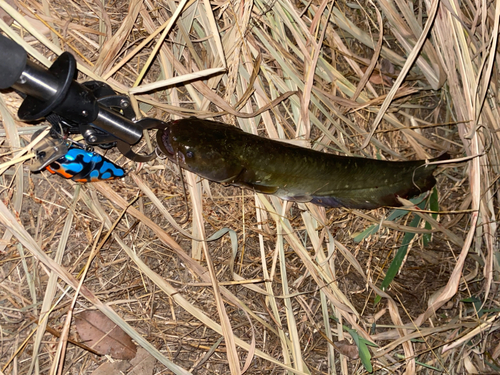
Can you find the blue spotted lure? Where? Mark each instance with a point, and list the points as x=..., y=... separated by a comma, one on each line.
x=85, y=166
x=74, y=162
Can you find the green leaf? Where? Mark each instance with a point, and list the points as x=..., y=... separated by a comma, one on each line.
x=492, y=365
x=364, y=352
x=400, y=255
x=362, y=344
x=372, y=229
x=234, y=243
x=393, y=215
x=434, y=206
x=421, y=363
x=477, y=304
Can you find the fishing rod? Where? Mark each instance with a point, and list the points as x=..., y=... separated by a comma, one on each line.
x=104, y=118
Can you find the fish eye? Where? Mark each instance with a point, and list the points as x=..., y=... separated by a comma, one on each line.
x=189, y=154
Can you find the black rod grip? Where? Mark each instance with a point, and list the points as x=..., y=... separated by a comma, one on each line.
x=12, y=61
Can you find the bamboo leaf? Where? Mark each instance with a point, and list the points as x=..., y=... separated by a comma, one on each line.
x=393, y=216
x=400, y=256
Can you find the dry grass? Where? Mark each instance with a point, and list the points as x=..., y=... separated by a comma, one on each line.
x=283, y=284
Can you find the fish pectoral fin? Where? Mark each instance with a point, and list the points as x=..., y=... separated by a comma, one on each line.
x=258, y=188
x=246, y=178
x=264, y=189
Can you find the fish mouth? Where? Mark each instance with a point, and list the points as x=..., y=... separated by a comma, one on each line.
x=163, y=137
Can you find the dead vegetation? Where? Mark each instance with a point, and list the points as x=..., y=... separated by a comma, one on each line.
x=273, y=286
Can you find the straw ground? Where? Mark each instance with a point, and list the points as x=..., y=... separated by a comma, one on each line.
x=284, y=287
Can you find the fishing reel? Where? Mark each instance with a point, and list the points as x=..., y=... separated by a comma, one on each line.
x=93, y=109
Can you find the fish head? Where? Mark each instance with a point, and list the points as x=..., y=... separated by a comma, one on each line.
x=200, y=149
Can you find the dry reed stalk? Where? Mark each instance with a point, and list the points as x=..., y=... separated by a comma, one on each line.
x=286, y=70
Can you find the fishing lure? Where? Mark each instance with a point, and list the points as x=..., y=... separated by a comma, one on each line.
x=226, y=154
x=72, y=162
x=85, y=166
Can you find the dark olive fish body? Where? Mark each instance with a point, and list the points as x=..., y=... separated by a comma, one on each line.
x=225, y=154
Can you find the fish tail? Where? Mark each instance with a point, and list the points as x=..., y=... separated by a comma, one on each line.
x=417, y=181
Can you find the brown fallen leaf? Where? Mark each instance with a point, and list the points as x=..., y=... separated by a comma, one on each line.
x=378, y=78
x=347, y=349
x=57, y=334
x=143, y=363
x=105, y=337
x=115, y=368
x=387, y=66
